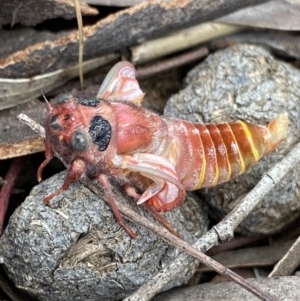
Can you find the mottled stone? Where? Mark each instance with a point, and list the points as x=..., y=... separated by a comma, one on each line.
x=75, y=250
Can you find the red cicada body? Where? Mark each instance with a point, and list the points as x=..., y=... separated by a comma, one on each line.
x=158, y=159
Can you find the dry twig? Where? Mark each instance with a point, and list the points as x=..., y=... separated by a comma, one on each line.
x=223, y=230
x=171, y=63
x=235, y=243
x=181, y=40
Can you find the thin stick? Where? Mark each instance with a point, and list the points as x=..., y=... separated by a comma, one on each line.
x=179, y=243
x=80, y=31
x=236, y=243
x=37, y=128
x=171, y=63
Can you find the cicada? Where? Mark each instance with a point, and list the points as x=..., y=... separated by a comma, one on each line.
x=156, y=159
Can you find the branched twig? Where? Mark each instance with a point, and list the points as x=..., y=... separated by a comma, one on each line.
x=166, y=235
x=223, y=230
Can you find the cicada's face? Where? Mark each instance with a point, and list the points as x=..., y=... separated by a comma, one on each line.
x=74, y=125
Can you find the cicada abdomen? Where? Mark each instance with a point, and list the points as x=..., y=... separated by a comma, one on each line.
x=229, y=149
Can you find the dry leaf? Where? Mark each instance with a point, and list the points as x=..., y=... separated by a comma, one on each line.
x=277, y=14
x=290, y=261
x=17, y=91
x=281, y=43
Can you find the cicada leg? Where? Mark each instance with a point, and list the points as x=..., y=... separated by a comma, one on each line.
x=49, y=156
x=75, y=172
x=104, y=181
x=42, y=166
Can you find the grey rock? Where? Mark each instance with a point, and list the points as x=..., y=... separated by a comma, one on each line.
x=75, y=250
x=246, y=82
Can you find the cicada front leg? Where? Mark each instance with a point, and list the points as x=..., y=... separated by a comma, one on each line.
x=75, y=172
x=105, y=182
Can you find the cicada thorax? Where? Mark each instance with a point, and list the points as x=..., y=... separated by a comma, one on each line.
x=229, y=149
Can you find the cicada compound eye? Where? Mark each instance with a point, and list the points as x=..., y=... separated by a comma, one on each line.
x=64, y=98
x=80, y=141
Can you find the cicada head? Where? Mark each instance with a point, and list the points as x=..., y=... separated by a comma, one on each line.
x=61, y=123
x=73, y=125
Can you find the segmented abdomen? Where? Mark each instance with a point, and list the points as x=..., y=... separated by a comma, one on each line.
x=228, y=149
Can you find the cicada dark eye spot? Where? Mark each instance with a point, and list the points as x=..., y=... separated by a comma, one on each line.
x=80, y=141
x=52, y=119
x=63, y=98
x=53, y=124
x=100, y=132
